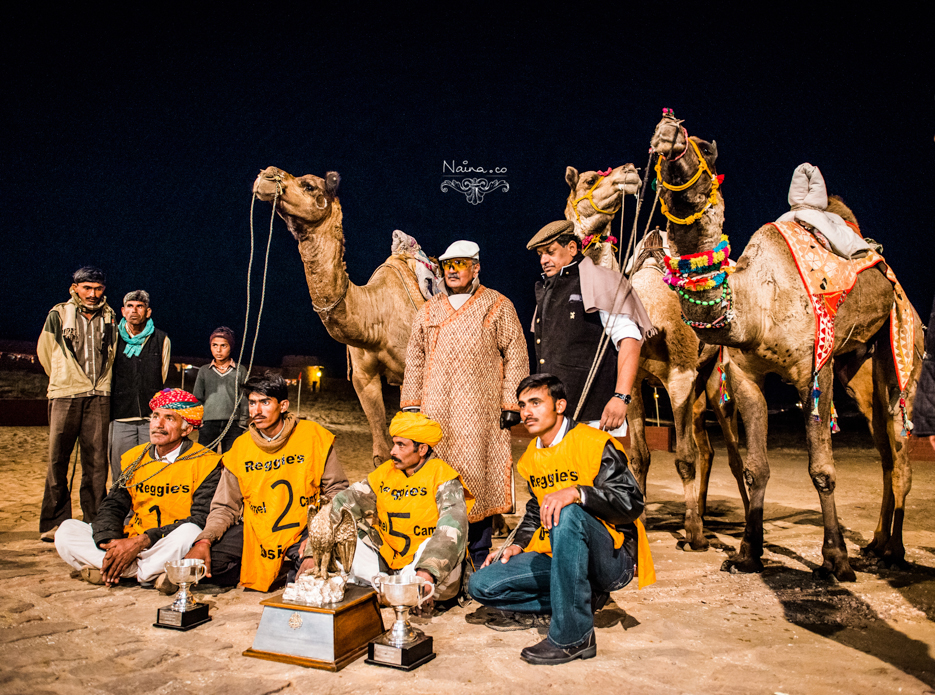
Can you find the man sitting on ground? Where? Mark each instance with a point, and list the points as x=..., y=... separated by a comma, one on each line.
x=579, y=538
x=167, y=485
x=271, y=475
x=421, y=506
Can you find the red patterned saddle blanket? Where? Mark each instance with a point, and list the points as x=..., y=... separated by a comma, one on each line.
x=828, y=279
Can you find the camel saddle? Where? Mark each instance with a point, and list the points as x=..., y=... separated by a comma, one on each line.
x=828, y=278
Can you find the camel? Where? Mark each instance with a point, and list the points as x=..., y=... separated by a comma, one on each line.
x=374, y=320
x=670, y=358
x=765, y=316
x=594, y=199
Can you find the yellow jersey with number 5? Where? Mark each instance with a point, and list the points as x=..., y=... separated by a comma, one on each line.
x=277, y=489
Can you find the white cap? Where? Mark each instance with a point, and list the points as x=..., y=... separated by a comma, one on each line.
x=461, y=249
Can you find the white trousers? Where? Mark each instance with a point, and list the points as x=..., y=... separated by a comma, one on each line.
x=75, y=544
x=366, y=566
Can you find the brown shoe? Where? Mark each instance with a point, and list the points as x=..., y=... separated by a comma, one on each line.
x=164, y=586
x=48, y=536
x=92, y=575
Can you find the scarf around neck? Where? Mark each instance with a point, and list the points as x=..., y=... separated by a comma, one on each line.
x=271, y=447
x=70, y=327
x=134, y=342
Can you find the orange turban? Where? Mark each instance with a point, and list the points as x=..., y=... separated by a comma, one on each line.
x=182, y=402
x=417, y=427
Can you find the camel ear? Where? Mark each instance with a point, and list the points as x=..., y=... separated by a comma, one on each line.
x=571, y=176
x=712, y=151
x=332, y=181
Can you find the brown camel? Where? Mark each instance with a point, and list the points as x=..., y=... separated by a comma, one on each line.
x=669, y=359
x=593, y=201
x=375, y=320
x=772, y=327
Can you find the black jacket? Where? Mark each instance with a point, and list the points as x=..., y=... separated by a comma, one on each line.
x=614, y=497
x=923, y=412
x=117, y=506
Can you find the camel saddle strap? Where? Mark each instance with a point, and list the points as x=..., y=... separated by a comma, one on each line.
x=652, y=248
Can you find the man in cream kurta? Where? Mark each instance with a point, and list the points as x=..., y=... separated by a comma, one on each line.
x=466, y=356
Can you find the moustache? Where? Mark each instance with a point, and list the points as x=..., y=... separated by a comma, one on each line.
x=158, y=432
x=395, y=459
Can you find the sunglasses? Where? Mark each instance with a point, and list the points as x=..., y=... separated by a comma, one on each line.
x=457, y=264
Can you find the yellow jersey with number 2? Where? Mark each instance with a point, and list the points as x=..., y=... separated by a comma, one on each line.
x=277, y=489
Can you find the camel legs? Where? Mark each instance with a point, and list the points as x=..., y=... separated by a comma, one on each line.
x=681, y=387
x=822, y=471
x=887, y=540
x=365, y=376
x=639, y=451
x=726, y=415
x=752, y=406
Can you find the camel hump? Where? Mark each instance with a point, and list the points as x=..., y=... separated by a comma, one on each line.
x=399, y=267
x=654, y=246
x=838, y=207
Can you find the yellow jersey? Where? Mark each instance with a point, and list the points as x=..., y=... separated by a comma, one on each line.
x=406, y=510
x=277, y=489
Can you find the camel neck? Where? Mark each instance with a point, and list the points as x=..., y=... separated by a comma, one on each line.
x=322, y=252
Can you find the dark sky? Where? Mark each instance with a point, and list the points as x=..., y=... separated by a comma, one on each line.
x=131, y=140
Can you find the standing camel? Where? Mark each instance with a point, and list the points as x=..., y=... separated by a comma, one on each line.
x=670, y=358
x=763, y=311
x=375, y=320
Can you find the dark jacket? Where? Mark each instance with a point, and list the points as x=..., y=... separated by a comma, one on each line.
x=614, y=497
x=136, y=379
x=567, y=340
x=115, y=508
x=923, y=411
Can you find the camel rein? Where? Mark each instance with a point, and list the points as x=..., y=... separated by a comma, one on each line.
x=589, y=196
x=702, y=168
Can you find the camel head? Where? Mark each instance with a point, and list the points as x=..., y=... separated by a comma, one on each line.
x=305, y=202
x=670, y=141
x=595, y=197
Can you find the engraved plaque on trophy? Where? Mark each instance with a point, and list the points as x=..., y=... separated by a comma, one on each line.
x=402, y=646
x=184, y=613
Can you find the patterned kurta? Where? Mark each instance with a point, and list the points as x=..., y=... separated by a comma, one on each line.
x=462, y=369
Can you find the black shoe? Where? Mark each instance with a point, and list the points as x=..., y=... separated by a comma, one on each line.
x=546, y=653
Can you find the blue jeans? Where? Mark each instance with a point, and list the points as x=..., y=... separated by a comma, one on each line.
x=584, y=562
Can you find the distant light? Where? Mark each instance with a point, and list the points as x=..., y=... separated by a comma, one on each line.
x=318, y=373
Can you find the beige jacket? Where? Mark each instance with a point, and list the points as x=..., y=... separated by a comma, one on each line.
x=66, y=377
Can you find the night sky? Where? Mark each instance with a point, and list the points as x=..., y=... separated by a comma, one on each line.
x=131, y=140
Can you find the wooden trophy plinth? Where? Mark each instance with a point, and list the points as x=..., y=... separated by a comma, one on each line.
x=328, y=638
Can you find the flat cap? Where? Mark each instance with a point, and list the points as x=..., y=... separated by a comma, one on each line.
x=461, y=249
x=551, y=232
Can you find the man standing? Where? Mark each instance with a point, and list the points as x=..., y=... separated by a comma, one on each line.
x=76, y=349
x=580, y=536
x=141, y=366
x=411, y=512
x=576, y=303
x=167, y=485
x=271, y=475
x=465, y=357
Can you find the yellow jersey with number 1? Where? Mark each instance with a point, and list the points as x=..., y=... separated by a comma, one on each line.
x=277, y=489
x=160, y=492
x=406, y=509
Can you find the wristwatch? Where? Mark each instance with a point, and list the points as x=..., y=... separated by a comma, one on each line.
x=625, y=397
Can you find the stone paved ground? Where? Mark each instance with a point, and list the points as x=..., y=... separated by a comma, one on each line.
x=698, y=630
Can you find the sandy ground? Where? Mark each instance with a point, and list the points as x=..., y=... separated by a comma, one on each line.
x=698, y=630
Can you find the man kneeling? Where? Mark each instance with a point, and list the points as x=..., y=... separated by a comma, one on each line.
x=167, y=484
x=578, y=540
x=421, y=506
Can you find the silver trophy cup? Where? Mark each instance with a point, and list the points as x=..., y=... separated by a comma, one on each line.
x=183, y=573
x=184, y=613
x=402, y=646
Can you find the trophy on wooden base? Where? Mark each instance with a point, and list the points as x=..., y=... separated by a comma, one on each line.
x=185, y=613
x=402, y=646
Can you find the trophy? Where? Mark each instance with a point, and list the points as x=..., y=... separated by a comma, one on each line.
x=402, y=646
x=185, y=613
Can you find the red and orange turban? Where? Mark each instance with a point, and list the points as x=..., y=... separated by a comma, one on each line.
x=184, y=403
